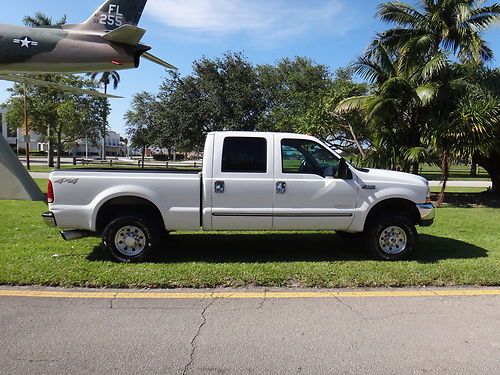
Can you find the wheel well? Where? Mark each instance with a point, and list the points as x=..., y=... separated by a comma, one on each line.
x=397, y=206
x=127, y=206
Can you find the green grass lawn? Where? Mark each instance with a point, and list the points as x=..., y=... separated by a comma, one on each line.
x=437, y=189
x=462, y=248
x=457, y=173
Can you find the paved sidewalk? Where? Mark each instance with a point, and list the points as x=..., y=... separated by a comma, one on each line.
x=485, y=184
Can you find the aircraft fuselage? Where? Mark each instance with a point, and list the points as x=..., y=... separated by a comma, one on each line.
x=61, y=50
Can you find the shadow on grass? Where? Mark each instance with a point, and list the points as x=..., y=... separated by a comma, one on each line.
x=289, y=247
x=470, y=200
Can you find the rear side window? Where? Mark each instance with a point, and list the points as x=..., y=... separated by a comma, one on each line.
x=244, y=155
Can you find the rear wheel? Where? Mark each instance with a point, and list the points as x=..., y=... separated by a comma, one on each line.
x=129, y=239
x=391, y=238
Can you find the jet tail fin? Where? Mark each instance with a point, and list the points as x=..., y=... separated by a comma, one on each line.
x=115, y=13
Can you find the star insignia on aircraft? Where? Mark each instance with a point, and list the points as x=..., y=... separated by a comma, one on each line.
x=25, y=42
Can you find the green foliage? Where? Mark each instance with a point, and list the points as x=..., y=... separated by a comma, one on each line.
x=294, y=92
x=142, y=120
x=58, y=116
x=220, y=94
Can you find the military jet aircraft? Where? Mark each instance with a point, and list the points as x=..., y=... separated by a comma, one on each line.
x=108, y=40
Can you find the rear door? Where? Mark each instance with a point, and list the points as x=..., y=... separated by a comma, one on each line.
x=243, y=181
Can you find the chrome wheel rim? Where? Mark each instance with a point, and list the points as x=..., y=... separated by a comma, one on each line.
x=130, y=241
x=393, y=240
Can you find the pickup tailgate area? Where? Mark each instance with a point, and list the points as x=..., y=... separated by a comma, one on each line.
x=79, y=195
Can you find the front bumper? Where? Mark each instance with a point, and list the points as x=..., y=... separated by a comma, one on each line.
x=49, y=219
x=427, y=214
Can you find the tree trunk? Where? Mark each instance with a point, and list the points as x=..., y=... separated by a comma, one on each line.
x=473, y=167
x=445, y=172
x=104, y=123
x=50, y=160
x=492, y=165
x=59, y=150
x=143, y=155
x=415, y=167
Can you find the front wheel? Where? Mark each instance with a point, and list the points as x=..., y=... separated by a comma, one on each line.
x=129, y=239
x=391, y=238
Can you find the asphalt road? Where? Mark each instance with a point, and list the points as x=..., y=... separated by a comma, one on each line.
x=129, y=334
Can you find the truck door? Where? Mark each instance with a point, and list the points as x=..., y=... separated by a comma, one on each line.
x=307, y=194
x=242, y=183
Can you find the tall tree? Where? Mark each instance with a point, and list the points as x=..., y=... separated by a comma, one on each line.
x=42, y=20
x=142, y=122
x=398, y=106
x=220, y=94
x=290, y=89
x=71, y=117
x=105, y=78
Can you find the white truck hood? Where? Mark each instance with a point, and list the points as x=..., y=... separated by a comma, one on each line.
x=384, y=176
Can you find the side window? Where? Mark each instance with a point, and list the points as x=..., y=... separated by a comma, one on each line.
x=244, y=155
x=307, y=157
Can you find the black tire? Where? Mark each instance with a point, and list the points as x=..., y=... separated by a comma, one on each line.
x=133, y=229
x=391, y=237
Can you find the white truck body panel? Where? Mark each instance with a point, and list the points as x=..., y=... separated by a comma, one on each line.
x=177, y=196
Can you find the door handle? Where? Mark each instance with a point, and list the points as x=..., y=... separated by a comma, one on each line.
x=220, y=187
x=280, y=187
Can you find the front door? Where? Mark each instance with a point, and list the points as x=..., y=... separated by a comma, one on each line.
x=242, y=185
x=308, y=195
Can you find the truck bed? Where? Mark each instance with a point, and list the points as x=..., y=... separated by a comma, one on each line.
x=80, y=193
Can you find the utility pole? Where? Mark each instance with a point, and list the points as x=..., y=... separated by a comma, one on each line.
x=26, y=129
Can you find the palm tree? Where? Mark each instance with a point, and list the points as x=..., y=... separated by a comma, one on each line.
x=438, y=26
x=106, y=78
x=398, y=106
x=42, y=20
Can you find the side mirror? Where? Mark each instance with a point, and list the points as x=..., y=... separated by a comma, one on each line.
x=344, y=171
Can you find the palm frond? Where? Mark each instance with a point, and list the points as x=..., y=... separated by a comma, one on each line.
x=484, y=17
x=353, y=103
x=400, y=14
x=434, y=66
x=427, y=93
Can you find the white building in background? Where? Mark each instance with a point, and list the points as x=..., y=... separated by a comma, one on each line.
x=114, y=146
x=16, y=138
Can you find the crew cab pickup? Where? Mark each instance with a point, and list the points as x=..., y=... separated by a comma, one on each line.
x=250, y=181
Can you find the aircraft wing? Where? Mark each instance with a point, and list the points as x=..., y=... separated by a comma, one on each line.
x=57, y=86
x=158, y=61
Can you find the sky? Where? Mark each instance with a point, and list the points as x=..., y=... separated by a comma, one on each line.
x=331, y=32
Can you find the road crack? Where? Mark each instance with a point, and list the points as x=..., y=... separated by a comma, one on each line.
x=187, y=368
x=113, y=300
x=352, y=309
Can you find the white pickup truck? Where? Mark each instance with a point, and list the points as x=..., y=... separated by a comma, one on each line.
x=249, y=182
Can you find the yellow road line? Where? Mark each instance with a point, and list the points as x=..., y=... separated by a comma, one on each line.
x=248, y=295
